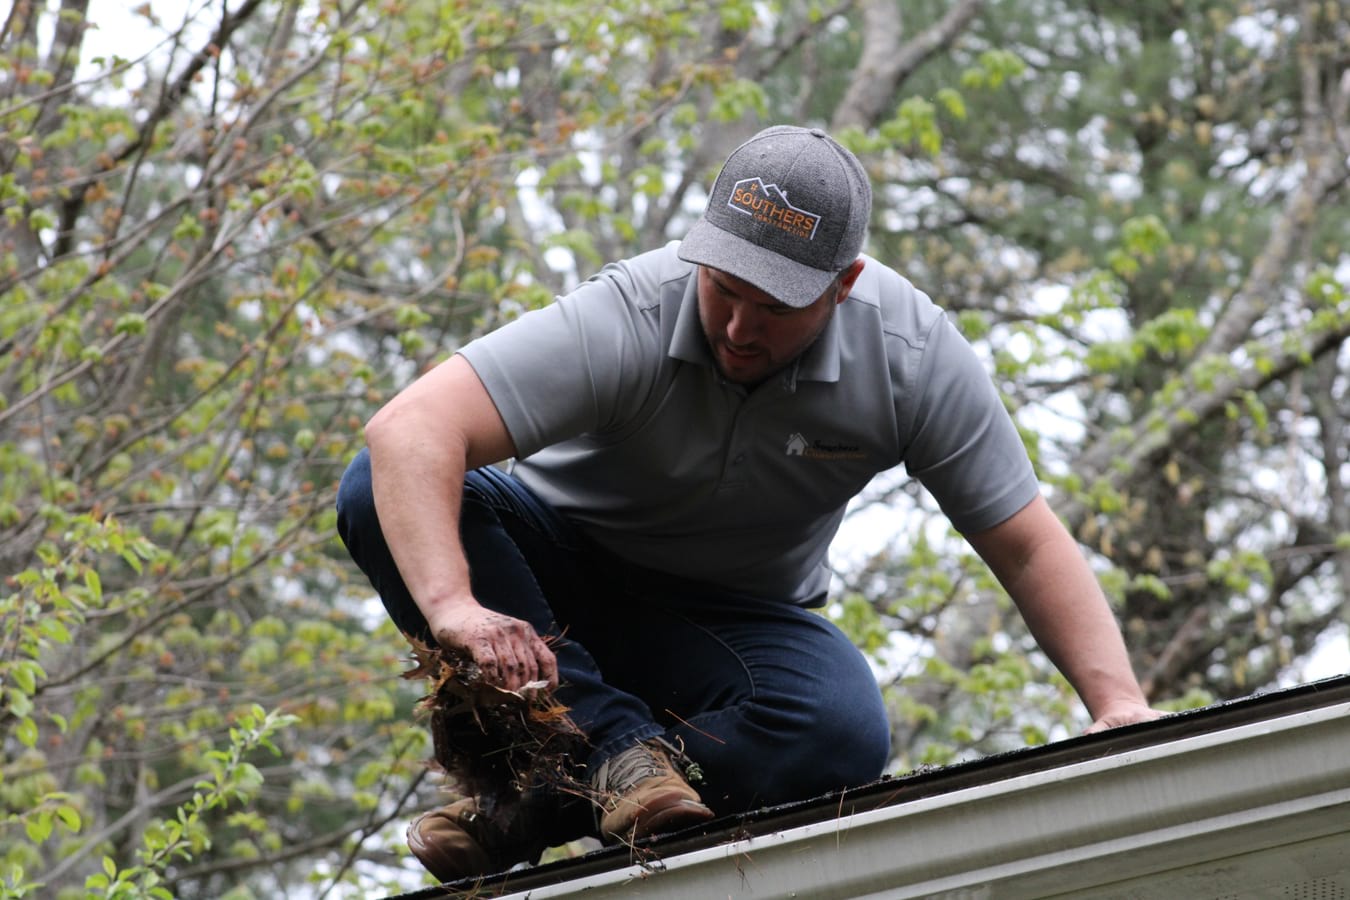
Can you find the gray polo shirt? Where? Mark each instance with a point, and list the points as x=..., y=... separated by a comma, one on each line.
x=622, y=423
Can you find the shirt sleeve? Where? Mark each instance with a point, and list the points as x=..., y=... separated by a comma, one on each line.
x=964, y=447
x=573, y=367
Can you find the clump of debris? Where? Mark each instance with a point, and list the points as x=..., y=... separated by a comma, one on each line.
x=494, y=743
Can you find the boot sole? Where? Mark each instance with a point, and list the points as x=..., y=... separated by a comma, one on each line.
x=665, y=819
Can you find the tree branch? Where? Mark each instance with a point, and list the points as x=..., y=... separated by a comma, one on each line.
x=886, y=62
x=1116, y=458
x=169, y=100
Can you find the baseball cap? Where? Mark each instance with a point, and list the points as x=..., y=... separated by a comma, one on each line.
x=787, y=213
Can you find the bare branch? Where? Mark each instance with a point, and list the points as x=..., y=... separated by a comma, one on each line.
x=168, y=101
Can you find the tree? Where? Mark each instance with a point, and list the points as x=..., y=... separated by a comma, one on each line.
x=1142, y=224
x=219, y=258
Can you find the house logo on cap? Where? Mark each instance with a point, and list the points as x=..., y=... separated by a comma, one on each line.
x=767, y=204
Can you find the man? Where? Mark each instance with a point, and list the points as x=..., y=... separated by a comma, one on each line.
x=688, y=427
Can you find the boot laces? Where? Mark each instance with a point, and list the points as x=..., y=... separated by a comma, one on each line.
x=651, y=758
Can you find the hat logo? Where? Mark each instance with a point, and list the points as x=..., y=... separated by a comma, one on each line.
x=768, y=204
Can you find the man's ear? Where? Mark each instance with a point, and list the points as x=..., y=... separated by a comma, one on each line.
x=846, y=278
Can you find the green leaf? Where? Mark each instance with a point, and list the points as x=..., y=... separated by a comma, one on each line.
x=41, y=220
x=26, y=731
x=38, y=826
x=953, y=102
x=70, y=817
x=94, y=583
x=25, y=674
x=130, y=323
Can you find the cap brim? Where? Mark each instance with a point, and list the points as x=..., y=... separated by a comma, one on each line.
x=786, y=280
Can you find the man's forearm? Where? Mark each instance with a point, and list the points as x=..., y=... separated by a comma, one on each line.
x=1064, y=608
x=421, y=445
x=1041, y=567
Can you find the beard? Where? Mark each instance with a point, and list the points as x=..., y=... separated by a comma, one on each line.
x=754, y=363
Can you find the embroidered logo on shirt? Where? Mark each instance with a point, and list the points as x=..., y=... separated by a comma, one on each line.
x=768, y=204
x=797, y=445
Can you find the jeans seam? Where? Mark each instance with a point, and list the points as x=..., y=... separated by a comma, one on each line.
x=740, y=661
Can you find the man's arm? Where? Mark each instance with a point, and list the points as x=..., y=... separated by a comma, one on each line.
x=1037, y=561
x=421, y=444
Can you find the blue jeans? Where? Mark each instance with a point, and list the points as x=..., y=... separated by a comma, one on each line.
x=771, y=700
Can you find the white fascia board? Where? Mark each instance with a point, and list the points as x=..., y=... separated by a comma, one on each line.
x=1135, y=824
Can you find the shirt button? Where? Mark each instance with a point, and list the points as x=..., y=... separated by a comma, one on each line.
x=740, y=458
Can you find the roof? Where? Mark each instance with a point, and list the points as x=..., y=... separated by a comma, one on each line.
x=1240, y=800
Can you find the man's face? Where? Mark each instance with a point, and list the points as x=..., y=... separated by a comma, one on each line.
x=751, y=334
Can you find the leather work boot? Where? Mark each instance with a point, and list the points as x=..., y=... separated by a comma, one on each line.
x=458, y=841
x=641, y=792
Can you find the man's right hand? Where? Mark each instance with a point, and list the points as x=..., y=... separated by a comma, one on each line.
x=508, y=651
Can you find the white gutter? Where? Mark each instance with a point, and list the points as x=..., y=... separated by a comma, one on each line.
x=1252, y=811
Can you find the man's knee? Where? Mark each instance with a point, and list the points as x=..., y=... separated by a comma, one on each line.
x=853, y=749
x=779, y=756
x=845, y=746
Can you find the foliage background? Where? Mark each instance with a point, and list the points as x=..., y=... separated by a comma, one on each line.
x=222, y=250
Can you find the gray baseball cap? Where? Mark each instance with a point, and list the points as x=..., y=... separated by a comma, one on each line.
x=787, y=213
